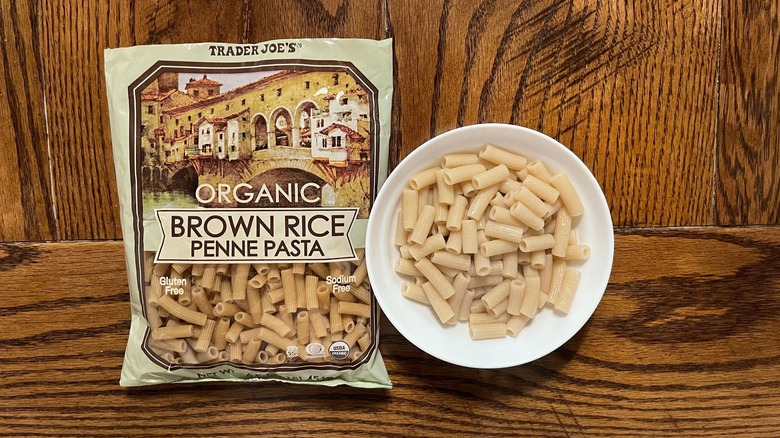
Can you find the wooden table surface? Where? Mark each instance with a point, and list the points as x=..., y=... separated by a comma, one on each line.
x=673, y=104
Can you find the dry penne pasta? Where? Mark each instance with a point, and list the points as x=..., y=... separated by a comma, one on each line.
x=533, y=202
x=482, y=264
x=539, y=170
x=505, y=214
x=469, y=236
x=516, y=295
x=435, y=277
x=530, y=297
x=537, y=243
x=462, y=173
x=480, y=202
x=334, y=317
x=454, y=243
x=460, y=284
x=501, y=231
x=281, y=306
x=467, y=188
x=441, y=213
x=357, y=309
x=509, y=265
x=401, y=234
x=457, y=160
x=486, y=318
x=414, y=292
x=568, y=195
x=489, y=330
x=565, y=297
x=561, y=233
x=438, y=303
x=423, y=225
x=538, y=260
x=523, y=214
x=516, y=323
x=541, y=189
x=510, y=185
x=496, y=295
x=491, y=248
x=181, y=312
x=500, y=156
x=432, y=244
x=502, y=215
x=446, y=192
x=455, y=214
x=406, y=267
x=172, y=332
x=495, y=175
x=423, y=199
x=577, y=252
x=423, y=179
x=460, y=262
x=487, y=280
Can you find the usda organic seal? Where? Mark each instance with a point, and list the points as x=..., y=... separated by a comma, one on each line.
x=339, y=350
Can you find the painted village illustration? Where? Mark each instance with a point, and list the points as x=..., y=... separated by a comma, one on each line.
x=286, y=127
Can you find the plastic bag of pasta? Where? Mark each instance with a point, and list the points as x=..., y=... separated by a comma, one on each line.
x=246, y=175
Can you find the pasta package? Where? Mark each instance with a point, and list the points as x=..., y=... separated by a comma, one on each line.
x=246, y=175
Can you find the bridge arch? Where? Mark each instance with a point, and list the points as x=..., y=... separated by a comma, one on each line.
x=292, y=159
x=280, y=127
x=156, y=175
x=260, y=132
x=301, y=129
x=184, y=180
x=146, y=175
x=165, y=175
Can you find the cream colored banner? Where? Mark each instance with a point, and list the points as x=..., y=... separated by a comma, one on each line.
x=255, y=235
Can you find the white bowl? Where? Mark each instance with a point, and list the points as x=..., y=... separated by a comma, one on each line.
x=549, y=329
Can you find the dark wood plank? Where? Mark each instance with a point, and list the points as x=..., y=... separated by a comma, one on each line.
x=684, y=347
x=748, y=190
x=176, y=21
x=73, y=38
x=25, y=196
x=279, y=19
x=629, y=87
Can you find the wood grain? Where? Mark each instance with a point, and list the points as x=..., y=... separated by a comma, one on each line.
x=748, y=189
x=685, y=346
x=25, y=180
x=73, y=38
x=280, y=19
x=629, y=87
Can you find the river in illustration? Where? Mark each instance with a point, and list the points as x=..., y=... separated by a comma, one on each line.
x=155, y=200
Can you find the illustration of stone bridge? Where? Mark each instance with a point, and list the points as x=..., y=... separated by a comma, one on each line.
x=269, y=165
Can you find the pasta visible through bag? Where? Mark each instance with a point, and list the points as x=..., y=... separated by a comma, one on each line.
x=217, y=327
x=512, y=236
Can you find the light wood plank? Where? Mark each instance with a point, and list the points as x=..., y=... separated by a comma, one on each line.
x=690, y=350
